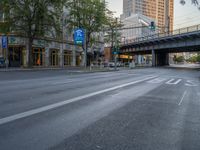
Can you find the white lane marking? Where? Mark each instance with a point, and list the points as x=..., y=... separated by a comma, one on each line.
x=59, y=104
x=190, y=83
x=157, y=80
x=182, y=98
x=66, y=82
x=173, y=81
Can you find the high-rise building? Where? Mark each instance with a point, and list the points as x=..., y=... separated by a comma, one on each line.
x=160, y=10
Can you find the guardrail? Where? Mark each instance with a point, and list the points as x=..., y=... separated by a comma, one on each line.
x=165, y=34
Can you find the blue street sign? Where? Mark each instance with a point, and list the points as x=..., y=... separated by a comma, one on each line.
x=115, y=53
x=4, y=42
x=79, y=36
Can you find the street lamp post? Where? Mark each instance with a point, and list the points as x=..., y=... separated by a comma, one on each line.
x=115, y=52
x=62, y=47
x=62, y=51
x=7, y=53
x=85, y=47
x=124, y=40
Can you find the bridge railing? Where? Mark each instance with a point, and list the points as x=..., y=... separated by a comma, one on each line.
x=165, y=34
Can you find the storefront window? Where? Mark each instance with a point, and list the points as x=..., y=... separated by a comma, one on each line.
x=15, y=56
x=54, y=57
x=38, y=56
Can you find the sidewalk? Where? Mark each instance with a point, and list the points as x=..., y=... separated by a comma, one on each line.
x=69, y=69
x=188, y=66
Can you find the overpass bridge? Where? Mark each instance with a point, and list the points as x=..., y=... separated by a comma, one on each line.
x=161, y=44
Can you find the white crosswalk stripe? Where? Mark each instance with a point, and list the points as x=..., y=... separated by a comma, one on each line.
x=157, y=80
x=191, y=83
x=174, y=81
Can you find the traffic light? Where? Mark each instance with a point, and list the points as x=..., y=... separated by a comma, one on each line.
x=152, y=25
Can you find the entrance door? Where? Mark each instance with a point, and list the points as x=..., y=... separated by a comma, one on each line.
x=67, y=58
x=15, y=56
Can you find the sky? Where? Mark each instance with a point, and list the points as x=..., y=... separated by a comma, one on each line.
x=184, y=16
x=116, y=6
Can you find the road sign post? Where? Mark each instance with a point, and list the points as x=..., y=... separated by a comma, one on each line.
x=5, y=46
x=79, y=39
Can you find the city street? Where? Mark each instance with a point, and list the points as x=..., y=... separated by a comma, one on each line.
x=139, y=109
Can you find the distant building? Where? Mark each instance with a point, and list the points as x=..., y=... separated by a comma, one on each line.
x=131, y=30
x=160, y=10
x=137, y=13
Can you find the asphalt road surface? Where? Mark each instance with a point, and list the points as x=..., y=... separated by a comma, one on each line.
x=141, y=109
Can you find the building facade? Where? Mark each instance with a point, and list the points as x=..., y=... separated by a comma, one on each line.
x=160, y=10
x=45, y=52
x=131, y=30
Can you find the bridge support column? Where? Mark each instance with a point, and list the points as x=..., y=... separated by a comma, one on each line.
x=136, y=59
x=153, y=58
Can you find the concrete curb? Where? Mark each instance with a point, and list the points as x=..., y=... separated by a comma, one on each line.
x=27, y=69
x=73, y=70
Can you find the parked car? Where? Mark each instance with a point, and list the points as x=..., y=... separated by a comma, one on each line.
x=2, y=62
x=111, y=64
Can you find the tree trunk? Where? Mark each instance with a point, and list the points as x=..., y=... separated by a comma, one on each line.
x=30, y=54
x=112, y=44
x=112, y=38
x=88, y=60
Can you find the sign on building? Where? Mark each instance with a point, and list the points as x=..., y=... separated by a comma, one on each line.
x=4, y=42
x=1, y=51
x=79, y=36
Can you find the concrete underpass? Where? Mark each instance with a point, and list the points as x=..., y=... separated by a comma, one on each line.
x=160, y=46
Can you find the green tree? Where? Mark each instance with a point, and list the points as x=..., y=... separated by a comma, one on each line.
x=89, y=15
x=198, y=58
x=179, y=59
x=4, y=26
x=194, y=59
x=33, y=18
x=112, y=29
